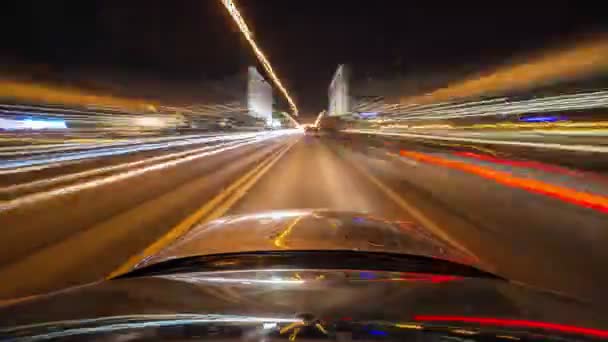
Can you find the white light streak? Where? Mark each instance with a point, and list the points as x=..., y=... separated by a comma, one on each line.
x=89, y=153
x=104, y=170
x=576, y=148
x=504, y=106
x=28, y=199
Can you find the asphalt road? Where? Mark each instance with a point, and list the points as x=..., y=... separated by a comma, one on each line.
x=533, y=222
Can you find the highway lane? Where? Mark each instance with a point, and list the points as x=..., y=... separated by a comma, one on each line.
x=40, y=168
x=534, y=222
x=582, y=153
x=533, y=237
x=81, y=232
x=548, y=238
x=312, y=175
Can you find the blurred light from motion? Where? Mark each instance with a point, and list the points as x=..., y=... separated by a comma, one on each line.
x=367, y=275
x=271, y=215
x=411, y=277
x=464, y=332
x=149, y=121
x=588, y=200
x=437, y=126
x=581, y=60
x=514, y=323
x=246, y=281
x=8, y=124
x=408, y=326
x=503, y=106
x=475, y=140
x=34, y=124
x=123, y=175
x=43, y=93
x=377, y=332
x=431, y=278
x=368, y=114
x=523, y=163
x=148, y=321
x=25, y=164
x=236, y=15
x=541, y=119
x=319, y=117
x=269, y=325
x=44, y=124
x=276, y=123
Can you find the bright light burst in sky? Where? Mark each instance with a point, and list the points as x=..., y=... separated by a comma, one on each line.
x=236, y=15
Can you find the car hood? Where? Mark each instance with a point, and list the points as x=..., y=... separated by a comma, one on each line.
x=219, y=305
x=310, y=230
x=238, y=302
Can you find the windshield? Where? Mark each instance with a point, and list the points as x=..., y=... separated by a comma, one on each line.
x=138, y=132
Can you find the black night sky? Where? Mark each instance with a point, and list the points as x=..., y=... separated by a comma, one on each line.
x=190, y=40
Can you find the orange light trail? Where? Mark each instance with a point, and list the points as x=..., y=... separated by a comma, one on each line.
x=584, y=199
x=581, y=60
x=236, y=15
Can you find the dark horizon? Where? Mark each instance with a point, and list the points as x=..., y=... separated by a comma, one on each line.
x=189, y=41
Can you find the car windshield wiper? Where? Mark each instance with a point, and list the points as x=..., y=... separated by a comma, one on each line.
x=311, y=259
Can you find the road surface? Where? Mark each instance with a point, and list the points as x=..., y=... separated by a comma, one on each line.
x=535, y=222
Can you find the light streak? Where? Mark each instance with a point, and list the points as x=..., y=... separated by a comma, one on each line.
x=102, y=170
x=319, y=117
x=246, y=281
x=132, y=173
x=526, y=164
x=33, y=124
x=576, y=148
x=504, y=106
x=236, y=15
x=408, y=326
x=583, y=59
x=514, y=323
x=31, y=92
x=89, y=153
x=541, y=119
x=580, y=198
x=117, y=323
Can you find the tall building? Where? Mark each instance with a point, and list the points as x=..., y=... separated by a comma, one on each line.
x=339, y=92
x=259, y=96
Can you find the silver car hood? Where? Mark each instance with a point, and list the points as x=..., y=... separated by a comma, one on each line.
x=309, y=230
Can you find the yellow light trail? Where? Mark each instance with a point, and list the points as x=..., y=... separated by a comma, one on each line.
x=236, y=15
x=584, y=59
x=47, y=93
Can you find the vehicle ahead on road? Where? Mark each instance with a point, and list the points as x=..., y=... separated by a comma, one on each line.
x=304, y=275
